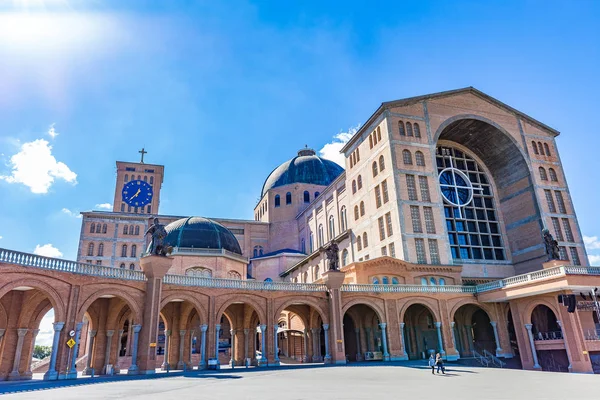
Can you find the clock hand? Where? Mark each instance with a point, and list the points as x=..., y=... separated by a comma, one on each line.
x=135, y=195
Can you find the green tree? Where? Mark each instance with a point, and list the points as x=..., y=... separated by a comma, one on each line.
x=41, y=352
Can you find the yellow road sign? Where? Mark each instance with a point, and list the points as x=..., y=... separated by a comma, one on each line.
x=152, y=344
x=70, y=343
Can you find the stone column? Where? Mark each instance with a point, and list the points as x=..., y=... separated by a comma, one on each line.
x=469, y=334
x=327, y=355
x=368, y=334
x=72, y=373
x=189, y=363
x=217, y=331
x=134, y=351
x=315, y=334
x=109, y=335
x=88, y=364
x=263, y=346
x=562, y=330
x=52, y=374
x=232, y=359
x=276, y=343
x=33, y=336
x=202, y=363
x=532, y=344
x=165, y=365
x=403, y=342
x=498, y=348
x=452, y=323
x=17, y=360
x=358, y=352
x=438, y=327
x=117, y=366
x=180, y=363
x=305, y=339
x=386, y=355
x=246, y=333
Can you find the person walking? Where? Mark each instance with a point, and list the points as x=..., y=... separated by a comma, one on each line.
x=440, y=363
x=432, y=364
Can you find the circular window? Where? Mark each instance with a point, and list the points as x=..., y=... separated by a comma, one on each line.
x=456, y=187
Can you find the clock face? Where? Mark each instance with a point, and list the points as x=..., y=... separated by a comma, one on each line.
x=137, y=193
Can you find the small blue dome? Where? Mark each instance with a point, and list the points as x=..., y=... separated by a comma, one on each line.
x=307, y=167
x=201, y=233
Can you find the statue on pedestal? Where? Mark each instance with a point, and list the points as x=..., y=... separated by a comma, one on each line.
x=157, y=245
x=552, y=249
x=332, y=252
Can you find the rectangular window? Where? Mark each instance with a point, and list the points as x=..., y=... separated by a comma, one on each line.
x=237, y=231
x=388, y=223
x=562, y=251
x=416, y=219
x=392, y=250
x=429, y=223
x=424, y=185
x=377, y=196
x=568, y=231
x=99, y=262
x=384, y=251
x=381, y=228
x=384, y=189
x=434, y=252
x=550, y=201
x=575, y=256
x=129, y=169
x=560, y=202
x=367, y=257
x=420, y=248
x=557, y=230
x=150, y=171
x=411, y=187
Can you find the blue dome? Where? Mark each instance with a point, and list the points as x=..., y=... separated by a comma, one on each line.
x=305, y=168
x=201, y=233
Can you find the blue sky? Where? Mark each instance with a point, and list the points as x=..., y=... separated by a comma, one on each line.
x=222, y=92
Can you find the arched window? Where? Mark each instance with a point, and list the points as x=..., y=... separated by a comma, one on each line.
x=124, y=251
x=381, y=163
x=442, y=282
x=101, y=249
x=257, y=251
x=358, y=243
x=316, y=273
x=552, y=174
x=277, y=200
x=268, y=280
x=385, y=280
x=401, y=128
x=395, y=281
x=125, y=230
x=320, y=237
x=543, y=175
x=145, y=178
x=424, y=281
x=344, y=257
x=295, y=280
x=306, y=197
x=417, y=130
x=344, y=222
x=362, y=208
x=407, y=157
x=331, y=227
x=355, y=213
x=359, y=182
x=234, y=275
x=199, y=271
x=98, y=228
x=419, y=159
x=540, y=148
x=409, y=130
x=302, y=245
x=375, y=281
x=305, y=277
x=374, y=169
x=317, y=194
x=93, y=228
x=137, y=229
x=365, y=240
x=311, y=242
x=534, y=147
x=353, y=186
x=126, y=178
x=133, y=250
x=378, y=134
x=122, y=266
x=370, y=141
x=91, y=249
x=139, y=177
x=547, y=149
x=432, y=281
x=122, y=207
x=132, y=266
x=288, y=198
x=151, y=180
x=104, y=228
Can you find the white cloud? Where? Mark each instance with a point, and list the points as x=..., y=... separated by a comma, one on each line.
x=70, y=213
x=0, y=237
x=591, y=242
x=46, y=333
x=52, y=132
x=35, y=167
x=47, y=250
x=331, y=151
x=594, y=260
x=104, y=206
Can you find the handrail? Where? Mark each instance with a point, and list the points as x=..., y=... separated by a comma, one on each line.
x=482, y=360
x=495, y=360
x=199, y=281
x=371, y=288
x=57, y=264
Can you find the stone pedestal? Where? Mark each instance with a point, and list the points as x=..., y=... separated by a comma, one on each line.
x=554, y=263
x=155, y=268
x=334, y=280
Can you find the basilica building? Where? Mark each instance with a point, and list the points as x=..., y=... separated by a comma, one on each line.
x=437, y=215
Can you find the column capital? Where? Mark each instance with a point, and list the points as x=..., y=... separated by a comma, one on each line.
x=493, y=323
x=58, y=326
x=438, y=324
x=263, y=328
x=326, y=327
x=357, y=330
x=559, y=323
x=246, y=331
x=203, y=327
x=22, y=332
x=78, y=326
x=121, y=331
x=137, y=328
x=314, y=330
x=368, y=328
x=2, y=332
x=93, y=333
x=218, y=326
x=182, y=332
x=233, y=331
x=452, y=323
x=35, y=332
x=168, y=332
x=402, y=325
x=383, y=325
x=528, y=327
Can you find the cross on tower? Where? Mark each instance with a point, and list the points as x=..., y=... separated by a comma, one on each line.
x=142, y=152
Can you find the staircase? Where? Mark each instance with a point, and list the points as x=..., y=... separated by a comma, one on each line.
x=484, y=358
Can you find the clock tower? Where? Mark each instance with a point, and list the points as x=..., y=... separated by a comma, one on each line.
x=151, y=174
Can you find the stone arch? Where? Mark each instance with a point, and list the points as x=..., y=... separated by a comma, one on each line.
x=533, y=304
x=113, y=291
x=244, y=298
x=307, y=301
x=3, y=317
x=429, y=303
x=464, y=302
x=367, y=301
x=57, y=303
x=202, y=314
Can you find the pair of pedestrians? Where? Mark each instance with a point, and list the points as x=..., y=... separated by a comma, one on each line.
x=437, y=361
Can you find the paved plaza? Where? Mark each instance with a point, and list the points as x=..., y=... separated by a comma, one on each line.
x=364, y=382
